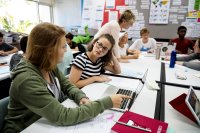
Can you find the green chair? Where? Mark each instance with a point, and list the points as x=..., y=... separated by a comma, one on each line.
x=3, y=111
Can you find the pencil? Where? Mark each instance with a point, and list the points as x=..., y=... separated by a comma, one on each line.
x=137, y=127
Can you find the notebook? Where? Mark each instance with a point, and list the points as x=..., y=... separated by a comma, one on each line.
x=126, y=103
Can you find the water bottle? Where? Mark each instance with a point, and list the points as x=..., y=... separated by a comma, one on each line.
x=173, y=59
x=157, y=52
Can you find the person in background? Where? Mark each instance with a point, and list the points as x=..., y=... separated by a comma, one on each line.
x=188, y=59
x=123, y=47
x=15, y=59
x=87, y=67
x=69, y=36
x=146, y=43
x=126, y=20
x=6, y=49
x=182, y=44
x=38, y=87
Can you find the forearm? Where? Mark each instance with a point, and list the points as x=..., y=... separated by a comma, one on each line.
x=135, y=56
x=84, y=82
x=12, y=51
x=186, y=58
x=192, y=65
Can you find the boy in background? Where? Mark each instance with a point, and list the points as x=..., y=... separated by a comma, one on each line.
x=15, y=59
x=6, y=49
x=145, y=43
x=182, y=44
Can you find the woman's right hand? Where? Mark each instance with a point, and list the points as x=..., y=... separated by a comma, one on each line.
x=102, y=78
x=117, y=99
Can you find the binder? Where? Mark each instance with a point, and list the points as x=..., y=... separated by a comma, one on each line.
x=141, y=121
x=179, y=104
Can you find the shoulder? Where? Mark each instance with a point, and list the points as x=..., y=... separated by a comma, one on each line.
x=114, y=24
x=80, y=60
x=137, y=41
x=152, y=40
x=16, y=56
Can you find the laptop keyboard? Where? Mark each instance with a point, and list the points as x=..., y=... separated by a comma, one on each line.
x=125, y=101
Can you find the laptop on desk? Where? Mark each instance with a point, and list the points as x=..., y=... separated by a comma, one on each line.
x=126, y=103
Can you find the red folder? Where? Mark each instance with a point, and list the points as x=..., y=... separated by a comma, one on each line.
x=179, y=104
x=140, y=120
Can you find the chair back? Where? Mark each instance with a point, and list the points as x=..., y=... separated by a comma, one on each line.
x=3, y=111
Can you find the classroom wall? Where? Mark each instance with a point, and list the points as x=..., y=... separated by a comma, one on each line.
x=161, y=31
x=67, y=13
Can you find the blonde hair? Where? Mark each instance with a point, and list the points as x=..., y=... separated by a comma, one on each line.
x=43, y=43
x=127, y=15
x=143, y=31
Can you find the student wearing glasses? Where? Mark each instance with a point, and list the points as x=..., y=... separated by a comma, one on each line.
x=126, y=20
x=38, y=87
x=87, y=67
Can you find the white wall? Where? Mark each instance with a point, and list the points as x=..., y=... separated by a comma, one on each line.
x=67, y=13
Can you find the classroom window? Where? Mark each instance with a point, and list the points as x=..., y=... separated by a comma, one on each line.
x=23, y=15
x=44, y=13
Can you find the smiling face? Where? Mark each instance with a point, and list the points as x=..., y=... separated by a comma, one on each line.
x=124, y=39
x=101, y=47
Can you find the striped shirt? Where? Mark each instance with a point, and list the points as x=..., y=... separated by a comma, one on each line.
x=89, y=68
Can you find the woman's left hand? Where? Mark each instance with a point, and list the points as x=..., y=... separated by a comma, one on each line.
x=84, y=101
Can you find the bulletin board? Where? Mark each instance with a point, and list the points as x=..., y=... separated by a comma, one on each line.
x=178, y=15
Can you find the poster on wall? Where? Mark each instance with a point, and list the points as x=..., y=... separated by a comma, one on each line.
x=92, y=14
x=159, y=11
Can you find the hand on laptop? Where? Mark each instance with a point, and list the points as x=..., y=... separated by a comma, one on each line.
x=117, y=99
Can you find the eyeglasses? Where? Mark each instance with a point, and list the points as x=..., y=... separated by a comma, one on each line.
x=100, y=45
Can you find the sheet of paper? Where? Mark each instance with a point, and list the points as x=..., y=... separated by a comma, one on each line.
x=101, y=124
x=4, y=69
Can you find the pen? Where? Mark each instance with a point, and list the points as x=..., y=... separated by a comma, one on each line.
x=137, y=127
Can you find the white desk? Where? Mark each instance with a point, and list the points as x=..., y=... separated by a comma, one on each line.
x=145, y=62
x=144, y=104
x=6, y=74
x=189, y=73
x=176, y=120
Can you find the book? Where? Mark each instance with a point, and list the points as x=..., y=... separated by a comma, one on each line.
x=131, y=122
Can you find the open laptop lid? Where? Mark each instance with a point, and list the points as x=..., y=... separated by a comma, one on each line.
x=141, y=84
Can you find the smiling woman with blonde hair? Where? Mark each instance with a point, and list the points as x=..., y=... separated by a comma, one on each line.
x=38, y=87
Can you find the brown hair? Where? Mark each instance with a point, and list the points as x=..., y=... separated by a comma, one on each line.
x=127, y=15
x=43, y=43
x=106, y=58
x=143, y=31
